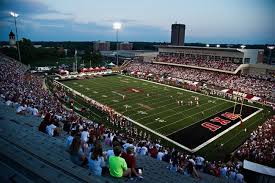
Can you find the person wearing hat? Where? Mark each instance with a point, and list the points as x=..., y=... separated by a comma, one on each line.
x=117, y=165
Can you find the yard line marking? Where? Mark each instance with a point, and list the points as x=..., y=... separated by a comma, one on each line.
x=145, y=106
x=138, y=98
x=187, y=110
x=142, y=112
x=188, y=117
x=171, y=109
x=188, y=91
x=124, y=81
x=197, y=121
x=118, y=93
x=169, y=99
x=142, y=126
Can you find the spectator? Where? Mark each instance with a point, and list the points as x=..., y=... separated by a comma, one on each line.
x=50, y=129
x=117, y=165
x=96, y=160
x=69, y=140
x=84, y=135
x=131, y=161
x=76, y=152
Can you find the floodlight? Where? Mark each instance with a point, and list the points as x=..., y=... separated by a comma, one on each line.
x=207, y=45
x=14, y=14
x=243, y=46
x=271, y=47
x=218, y=46
x=116, y=25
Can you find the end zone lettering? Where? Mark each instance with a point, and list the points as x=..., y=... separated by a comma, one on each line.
x=213, y=127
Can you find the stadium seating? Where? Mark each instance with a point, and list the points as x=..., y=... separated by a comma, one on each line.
x=221, y=64
x=257, y=86
x=47, y=160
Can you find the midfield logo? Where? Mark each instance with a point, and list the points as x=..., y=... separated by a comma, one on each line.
x=214, y=127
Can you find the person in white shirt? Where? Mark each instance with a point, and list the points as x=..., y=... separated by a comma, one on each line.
x=69, y=140
x=160, y=155
x=20, y=109
x=143, y=150
x=85, y=135
x=9, y=103
x=50, y=129
x=129, y=144
x=35, y=111
x=199, y=162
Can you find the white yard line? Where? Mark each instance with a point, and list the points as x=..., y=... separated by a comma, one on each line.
x=172, y=110
x=188, y=90
x=142, y=126
x=117, y=93
x=186, y=110
x=196, y=122
x=186, y=117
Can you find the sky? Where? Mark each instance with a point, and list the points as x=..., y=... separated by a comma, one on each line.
x=207, y=21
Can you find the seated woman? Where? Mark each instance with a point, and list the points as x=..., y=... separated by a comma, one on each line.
x=96, y=161
x=76, y=152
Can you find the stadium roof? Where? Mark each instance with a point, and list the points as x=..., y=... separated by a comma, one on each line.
x=199, y=48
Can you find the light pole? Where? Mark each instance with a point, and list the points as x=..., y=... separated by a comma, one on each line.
x=15, y=15
x=243, y=46
x=270, y=50
x=117, y=27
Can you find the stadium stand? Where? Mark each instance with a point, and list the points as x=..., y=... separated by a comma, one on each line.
x=253, y=85
x=222, y=64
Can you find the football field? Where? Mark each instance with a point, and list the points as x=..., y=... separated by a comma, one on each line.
x=169, y=111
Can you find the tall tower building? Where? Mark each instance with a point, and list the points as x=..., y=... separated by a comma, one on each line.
x=178, y=34
x=12, y=38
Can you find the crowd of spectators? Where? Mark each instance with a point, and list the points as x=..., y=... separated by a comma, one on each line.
x=200, y=61
x=27, y=93
x=254, y=85
x=260, y=147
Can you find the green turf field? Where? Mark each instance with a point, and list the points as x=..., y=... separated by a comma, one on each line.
x=152, y=105
x=155, y=106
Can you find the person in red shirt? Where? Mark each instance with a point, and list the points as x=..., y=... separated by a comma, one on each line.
x=131, y=161
x=153, y=152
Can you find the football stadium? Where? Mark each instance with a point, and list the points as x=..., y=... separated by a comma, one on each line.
x=119, y=111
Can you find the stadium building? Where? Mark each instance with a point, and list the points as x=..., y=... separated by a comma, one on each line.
x=244, y=60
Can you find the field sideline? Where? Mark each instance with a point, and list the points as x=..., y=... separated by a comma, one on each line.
x=156, y=106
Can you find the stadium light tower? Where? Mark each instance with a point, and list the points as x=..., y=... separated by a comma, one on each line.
x=117, y=27
x=15, y=15
x=270, y=50
x=243, y=46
